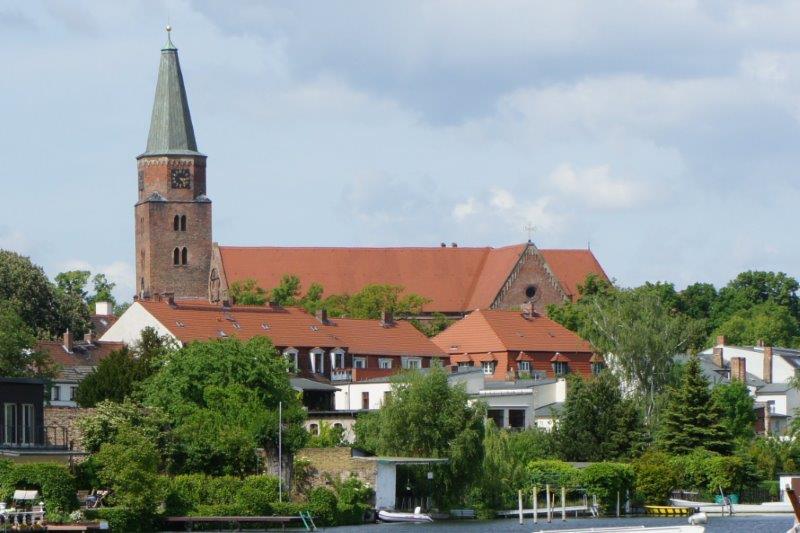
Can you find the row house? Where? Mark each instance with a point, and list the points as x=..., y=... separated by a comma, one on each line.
x=507, y=345
x=339, y=350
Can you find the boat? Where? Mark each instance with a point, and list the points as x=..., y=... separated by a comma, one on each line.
x=417, y=516
x=669, y=510
x=748, y=508
x=632, y=529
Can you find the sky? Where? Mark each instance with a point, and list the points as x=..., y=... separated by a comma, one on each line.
x=664, y=135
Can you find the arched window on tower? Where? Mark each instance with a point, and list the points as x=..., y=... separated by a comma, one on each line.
x=183, y=222
x=185, y=256
x=176, y=256
x=176, y=223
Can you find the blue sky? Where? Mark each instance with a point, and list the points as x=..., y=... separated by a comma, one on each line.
x=664, y=133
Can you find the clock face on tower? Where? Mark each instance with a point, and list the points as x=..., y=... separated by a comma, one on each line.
x=181, y=178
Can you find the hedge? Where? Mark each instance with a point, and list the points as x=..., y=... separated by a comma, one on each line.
x=123, y=520
x=607, y=480
x=56, y=485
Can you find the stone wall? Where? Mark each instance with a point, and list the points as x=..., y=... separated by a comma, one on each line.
x=67, y=417
x=336, y=463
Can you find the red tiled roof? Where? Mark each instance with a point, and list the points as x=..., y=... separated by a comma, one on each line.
x=498, y=331
x=559, y=358
x=83, y=353
x=572, y=266
x=289, y=327
x=454, y=279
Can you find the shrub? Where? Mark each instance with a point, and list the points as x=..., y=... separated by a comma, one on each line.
x=257, y=494
x=553, y=472
x=730, y=473
x=54, y=482
x=87, y=474
x=607, y=481
x=187, y=492
x=322, y=503
x=218, y=509
x=656, y=477
x=353, y=501
x=123, y=520
x=288, y=508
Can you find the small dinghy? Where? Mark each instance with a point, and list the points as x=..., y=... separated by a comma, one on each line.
x=398, y=516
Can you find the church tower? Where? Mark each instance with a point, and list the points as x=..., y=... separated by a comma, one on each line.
x=173, y=213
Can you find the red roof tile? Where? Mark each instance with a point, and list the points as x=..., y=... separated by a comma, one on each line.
x=289, y=327
x=572, y=266
x=498, y=331
x=454, y=279
x=83, y=353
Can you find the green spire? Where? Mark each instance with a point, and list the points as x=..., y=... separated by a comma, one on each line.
x=171, y=131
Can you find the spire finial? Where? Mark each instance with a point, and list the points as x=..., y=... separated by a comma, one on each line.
x=169, y=45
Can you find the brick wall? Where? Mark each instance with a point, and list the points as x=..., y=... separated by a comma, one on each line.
x=337, y=463
x=67, y=417
x=533, y=272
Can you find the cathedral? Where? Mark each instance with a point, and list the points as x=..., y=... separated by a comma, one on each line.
x=175, y=253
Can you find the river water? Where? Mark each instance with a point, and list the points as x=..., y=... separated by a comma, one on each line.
x=716, y=524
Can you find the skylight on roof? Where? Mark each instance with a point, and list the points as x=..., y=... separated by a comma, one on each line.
x=179, y=324
x=264, y=326
x=314, y=328
x=222, y=333
x=237, y=325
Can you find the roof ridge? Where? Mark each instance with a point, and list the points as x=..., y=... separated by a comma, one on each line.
x=491, y=327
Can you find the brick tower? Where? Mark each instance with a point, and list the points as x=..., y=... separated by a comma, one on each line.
x=173, y=213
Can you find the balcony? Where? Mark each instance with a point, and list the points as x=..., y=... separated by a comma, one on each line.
x=33, y=438
x=342, y=374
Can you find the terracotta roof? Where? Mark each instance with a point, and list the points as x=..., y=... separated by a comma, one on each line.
x=82, y=354
x=498, y=331
x=101, y=323
x=597, y=358
x=572, y=266
x=191, y=321
x=524, y=357
x=559, y=358
x=454, y=279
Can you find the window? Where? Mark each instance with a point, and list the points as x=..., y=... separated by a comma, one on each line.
x=516, y=418
x=72, y=391
x=55, y=393
x=771, y=406
x=184, y=256
x=597, y=368
x=317, y=357
x=337, y=359
x=365, y=400
x=359, y=362
x=386, y=395
x=530, y=291
x=176, y=256
x=495, y=415
x=465, y=364
x=176, y=223
x=183, y=222
x=384, y=363
x=291, y=357
x=412, y=363
x=313, y=429
x=338, y=425
x=488, y=367
x=524, y=366
x=9, y=423
x=560, y=368
x=27, y=423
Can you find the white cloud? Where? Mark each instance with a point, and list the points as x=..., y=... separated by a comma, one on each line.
x=595, y=187
x=465, y=209
x=503, y=209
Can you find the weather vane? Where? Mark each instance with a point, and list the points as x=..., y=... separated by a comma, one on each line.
x=530, y=228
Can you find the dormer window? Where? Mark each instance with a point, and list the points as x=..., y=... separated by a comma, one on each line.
x=560, y=368
x=290, y=354
x=337, y=359
x=317, y=359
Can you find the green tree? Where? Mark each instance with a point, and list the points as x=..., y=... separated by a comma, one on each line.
x=697, y=300
x=597, y=423
x=437, y=324
x=734, y=401
x=425, y=417
x=751, y=288
x=287, y=292
x=74, y=282
x=27, y=290
x=574, y=315
x=691, y=420
x=222, y=399
x=247, y=292
x=103, y=291
x=328, y=437
x=642, y=336
x=372, y=300
x=118, y=375
x=768, y=322
x=18, y=354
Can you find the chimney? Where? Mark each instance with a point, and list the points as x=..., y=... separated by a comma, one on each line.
x=739, y=369
x=767, y=419
x=721, y=340
x=88, y=337
x=444, y=245
x=767, y=364
x=103, y=308
x=170, y=298
x=387, y=318
x=454, y=244
x=716, y=357
x=322, y=315
x=760, y=343
x=68, y=341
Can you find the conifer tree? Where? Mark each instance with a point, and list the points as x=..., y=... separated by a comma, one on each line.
x=691, y=419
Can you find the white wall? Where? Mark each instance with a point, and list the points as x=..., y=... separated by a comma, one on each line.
x=63, y=399
x=754, y=361
x=128, y=328
x=348, y=397
x=385, y=486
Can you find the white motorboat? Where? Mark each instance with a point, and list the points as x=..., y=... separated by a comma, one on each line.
x=399, y=516
x=633, y=529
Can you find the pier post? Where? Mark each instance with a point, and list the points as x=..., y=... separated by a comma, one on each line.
x=519, y=498
x=535, y=504
x=549, y=509
x=563, y=504
x=617, y=504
